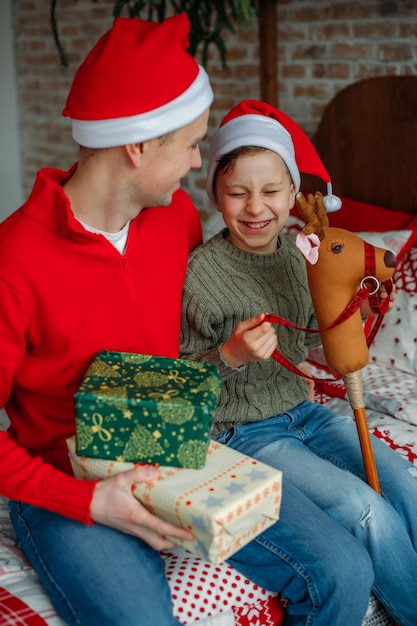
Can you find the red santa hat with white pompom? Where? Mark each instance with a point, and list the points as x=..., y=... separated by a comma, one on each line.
x=256, y=123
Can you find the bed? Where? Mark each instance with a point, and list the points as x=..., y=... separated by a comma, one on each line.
x=367, y=138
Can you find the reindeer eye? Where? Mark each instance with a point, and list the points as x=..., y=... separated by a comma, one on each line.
x=337, y=248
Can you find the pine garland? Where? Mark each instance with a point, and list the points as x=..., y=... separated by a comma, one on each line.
x=208, y=20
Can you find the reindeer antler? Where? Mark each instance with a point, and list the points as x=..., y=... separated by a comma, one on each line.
x=313, y=212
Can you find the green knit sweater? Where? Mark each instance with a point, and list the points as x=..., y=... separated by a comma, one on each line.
x=226, y=285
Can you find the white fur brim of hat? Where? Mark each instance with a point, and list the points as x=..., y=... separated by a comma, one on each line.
x=252, y=130
x=121, y=131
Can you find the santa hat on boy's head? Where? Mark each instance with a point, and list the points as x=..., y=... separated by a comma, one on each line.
x=137, y=83
x=256, y=123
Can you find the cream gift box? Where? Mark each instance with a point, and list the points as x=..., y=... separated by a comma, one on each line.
x=225, y=505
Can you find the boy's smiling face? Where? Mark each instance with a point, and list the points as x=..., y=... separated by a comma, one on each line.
x=255, y=197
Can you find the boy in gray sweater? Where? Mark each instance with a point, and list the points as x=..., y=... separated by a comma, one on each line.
x=336, y=537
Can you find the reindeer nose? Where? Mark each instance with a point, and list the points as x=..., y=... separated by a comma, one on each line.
x=390, y=259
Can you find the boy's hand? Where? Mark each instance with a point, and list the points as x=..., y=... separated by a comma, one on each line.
x=252, y=340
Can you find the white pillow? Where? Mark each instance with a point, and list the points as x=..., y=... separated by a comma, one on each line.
x=393, y=240
x=396, y=341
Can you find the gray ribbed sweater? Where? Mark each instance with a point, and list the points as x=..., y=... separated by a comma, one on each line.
x=225, y=285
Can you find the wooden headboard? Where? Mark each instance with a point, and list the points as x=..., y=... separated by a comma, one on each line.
x=367, y=139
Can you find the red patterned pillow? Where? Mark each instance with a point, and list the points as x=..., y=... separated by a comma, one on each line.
x=23, y=600
x=403, y=449
x=14, y=611
x=200, y=589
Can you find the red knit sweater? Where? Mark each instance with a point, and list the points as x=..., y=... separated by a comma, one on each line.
x=66, y=294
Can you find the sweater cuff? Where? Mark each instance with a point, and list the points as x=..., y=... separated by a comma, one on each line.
x=227, y=365
x=71, y=497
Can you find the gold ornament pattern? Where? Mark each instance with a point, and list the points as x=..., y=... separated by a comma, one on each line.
x=103, y=369
x=178, y=414
x=142, y=445
x=145, y=409
x=192, y=452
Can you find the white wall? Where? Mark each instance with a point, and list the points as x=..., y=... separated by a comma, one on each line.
x=11, y=194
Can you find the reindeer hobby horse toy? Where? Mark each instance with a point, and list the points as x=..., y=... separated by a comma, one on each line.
x=343, y=271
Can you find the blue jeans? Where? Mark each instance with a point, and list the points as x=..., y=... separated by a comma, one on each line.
x=94, y=575
x=331, y=521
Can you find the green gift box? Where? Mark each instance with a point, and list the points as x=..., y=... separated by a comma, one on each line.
x=145, y=409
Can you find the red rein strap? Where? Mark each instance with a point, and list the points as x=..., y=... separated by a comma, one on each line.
x=369, y=287
x=377, y=306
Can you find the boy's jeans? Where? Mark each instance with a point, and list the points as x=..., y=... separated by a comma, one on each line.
x=323, y=471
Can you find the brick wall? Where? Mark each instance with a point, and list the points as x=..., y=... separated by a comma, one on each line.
x=322, y=46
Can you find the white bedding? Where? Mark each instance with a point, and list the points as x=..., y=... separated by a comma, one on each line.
x=391, y=406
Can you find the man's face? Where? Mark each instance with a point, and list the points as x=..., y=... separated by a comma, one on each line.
x=165, y=163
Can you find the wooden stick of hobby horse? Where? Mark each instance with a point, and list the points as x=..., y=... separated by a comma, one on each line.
x=354, y=388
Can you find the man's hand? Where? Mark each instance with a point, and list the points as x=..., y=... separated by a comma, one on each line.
x=252, y=340
x=114, y=505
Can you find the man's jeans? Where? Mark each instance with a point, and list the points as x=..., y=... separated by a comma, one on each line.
x=94, y=576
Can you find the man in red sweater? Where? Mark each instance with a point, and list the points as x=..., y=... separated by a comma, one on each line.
x=95, y=259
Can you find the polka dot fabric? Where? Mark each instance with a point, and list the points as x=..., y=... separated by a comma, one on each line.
x=396, y=342
x=391, y=392
x=200, y=589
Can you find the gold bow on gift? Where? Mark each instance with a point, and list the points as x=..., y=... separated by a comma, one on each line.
x=175, y=376
x=165, y=396
x=104, y=435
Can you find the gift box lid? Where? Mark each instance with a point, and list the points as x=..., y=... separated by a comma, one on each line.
x=142, y=408
x=148, y=379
